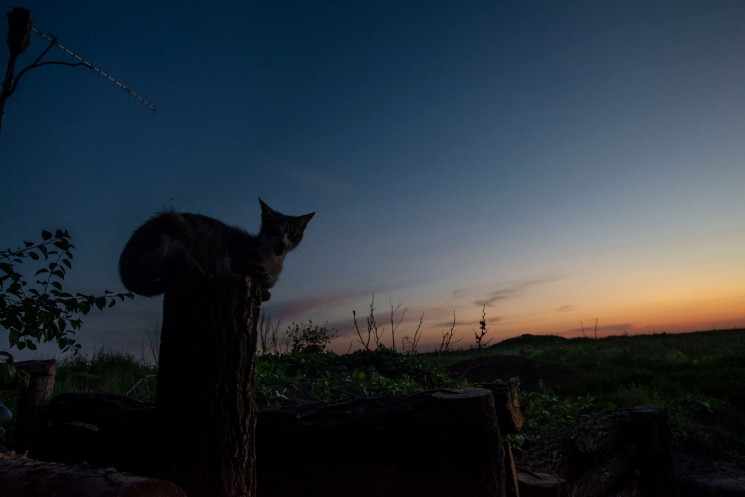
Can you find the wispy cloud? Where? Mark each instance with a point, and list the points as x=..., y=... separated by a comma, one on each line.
x=511, y=291
x=291, y=309
x=565, y=308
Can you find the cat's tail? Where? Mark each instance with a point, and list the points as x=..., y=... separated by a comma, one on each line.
x=145, y=260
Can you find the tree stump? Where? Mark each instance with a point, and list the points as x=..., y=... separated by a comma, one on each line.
x=508, y=406
x=205, y=408
x=33, y=403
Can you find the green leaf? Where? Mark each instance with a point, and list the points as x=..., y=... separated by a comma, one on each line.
x=31, y=345
x=10, y=371
x=28, y=244
x=13, y=337
x=34, y=256
x=46, y=235
x=40, y=271
x=6, y=268
x=101, y=303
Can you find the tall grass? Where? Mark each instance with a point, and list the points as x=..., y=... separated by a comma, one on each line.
x=106, y=372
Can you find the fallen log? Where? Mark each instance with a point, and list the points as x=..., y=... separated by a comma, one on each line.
x=532, y=484
x=437, y=443
x=612, y=450
x=20, y=476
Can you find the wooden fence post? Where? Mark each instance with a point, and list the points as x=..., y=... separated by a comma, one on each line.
x=205, y=404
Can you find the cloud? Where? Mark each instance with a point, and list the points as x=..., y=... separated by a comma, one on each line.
x=289, y=309
x=565, y=308
x=512, y=291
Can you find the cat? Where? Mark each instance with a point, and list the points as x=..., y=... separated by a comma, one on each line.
x=172, y=244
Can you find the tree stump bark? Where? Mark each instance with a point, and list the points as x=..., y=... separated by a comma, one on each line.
x=205, y=407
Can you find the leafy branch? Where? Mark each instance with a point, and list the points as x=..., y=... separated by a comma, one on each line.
x=43, y=312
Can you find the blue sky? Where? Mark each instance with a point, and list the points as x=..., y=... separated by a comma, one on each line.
x=555, y=161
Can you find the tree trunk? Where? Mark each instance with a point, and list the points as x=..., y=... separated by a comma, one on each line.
x=29, y=478
x=206, y=413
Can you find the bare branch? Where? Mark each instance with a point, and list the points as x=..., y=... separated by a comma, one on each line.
x=394, y=327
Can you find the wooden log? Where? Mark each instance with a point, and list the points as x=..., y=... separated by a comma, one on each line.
x=33, y=403
x=437, y=443
x=20, y=476
x=206, y=413
x=85, y=427
x=608, y=452
x=532, y=484
x=47, y=367
x=507, y=405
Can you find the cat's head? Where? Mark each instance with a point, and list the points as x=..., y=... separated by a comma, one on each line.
x=281, y=231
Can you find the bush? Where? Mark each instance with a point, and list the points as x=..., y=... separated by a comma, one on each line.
x=310, y=338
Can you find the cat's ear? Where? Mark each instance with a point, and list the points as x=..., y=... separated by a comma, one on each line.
x=268, y=211
x=303, y=221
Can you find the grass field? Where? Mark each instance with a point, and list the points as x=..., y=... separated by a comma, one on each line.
x=695, y=374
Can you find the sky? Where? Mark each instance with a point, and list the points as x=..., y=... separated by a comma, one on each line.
x=556, y=165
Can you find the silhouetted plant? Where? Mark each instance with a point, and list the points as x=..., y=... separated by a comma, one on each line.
x=43, y=312
x=447, y=339
x=410, y=345
x=271, y=339
x=483, y=330
x=310, y=338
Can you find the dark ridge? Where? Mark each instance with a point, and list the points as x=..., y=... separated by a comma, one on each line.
x=528, y=339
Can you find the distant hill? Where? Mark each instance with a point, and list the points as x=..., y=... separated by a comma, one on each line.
x=528, y=339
